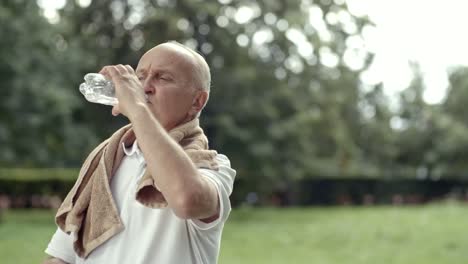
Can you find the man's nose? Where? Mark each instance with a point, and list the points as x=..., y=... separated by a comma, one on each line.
x=147, y=87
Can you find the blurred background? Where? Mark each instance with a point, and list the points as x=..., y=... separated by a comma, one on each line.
x=346, y=120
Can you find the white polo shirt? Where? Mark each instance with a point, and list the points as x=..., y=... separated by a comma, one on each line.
x=154, y=235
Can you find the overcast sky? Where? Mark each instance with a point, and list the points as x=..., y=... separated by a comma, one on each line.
x=432, y=33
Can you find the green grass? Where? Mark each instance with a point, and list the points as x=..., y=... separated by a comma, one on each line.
x=434, y=234
x=24, y=235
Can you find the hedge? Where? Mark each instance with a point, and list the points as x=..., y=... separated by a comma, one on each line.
x=37, y=181
x=46, y=188
x=39, y=174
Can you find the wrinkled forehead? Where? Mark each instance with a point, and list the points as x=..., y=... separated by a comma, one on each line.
x=168, y=57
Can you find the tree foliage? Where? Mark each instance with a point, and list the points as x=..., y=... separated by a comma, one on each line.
x=286, y=102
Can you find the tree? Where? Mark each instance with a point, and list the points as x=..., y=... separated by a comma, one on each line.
x=36, y=127
x=286, y=96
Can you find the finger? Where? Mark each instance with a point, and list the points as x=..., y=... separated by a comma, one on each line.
x=121, y=69
x=104, y=71
x=113, y=73
x=115, y=110
x=129, y=68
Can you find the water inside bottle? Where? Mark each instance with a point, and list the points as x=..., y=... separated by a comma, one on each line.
x=97, y=89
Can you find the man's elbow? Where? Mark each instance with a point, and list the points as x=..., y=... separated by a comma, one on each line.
x=185, y=207
x=194, y=206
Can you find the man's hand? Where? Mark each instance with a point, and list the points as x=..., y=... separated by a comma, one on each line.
x=128, y=89
x=52, y=260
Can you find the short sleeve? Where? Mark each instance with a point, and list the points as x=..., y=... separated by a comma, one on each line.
x=61, y=246
x=223, y=180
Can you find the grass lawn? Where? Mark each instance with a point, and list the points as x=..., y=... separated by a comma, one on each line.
x=433, y=234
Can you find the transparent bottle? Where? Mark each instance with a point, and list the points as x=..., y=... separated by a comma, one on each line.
x=97, y=89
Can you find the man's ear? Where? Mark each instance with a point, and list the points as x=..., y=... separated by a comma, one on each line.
x=199, y=102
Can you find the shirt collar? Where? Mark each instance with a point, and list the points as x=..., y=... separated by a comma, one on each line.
x=131, y=150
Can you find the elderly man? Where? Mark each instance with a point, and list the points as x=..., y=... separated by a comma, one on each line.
x=153, y=192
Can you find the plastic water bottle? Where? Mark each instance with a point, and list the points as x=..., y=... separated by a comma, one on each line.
x=97, y=89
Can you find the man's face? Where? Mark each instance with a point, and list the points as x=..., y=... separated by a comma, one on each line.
x=166, y=73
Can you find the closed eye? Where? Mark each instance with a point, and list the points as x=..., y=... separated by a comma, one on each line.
x=165, y=78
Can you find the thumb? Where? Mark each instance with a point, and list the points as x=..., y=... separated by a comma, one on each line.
x=115, y=110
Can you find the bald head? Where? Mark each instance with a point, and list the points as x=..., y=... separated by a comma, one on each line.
x=201, y=77
x=202, y=74
x=176, y=80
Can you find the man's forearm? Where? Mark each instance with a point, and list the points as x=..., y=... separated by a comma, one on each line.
x=188, y=194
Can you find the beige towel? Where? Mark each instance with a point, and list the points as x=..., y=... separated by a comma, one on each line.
x=89, y=210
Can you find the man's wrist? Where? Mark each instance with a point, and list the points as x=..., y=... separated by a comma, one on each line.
x=139, y=110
